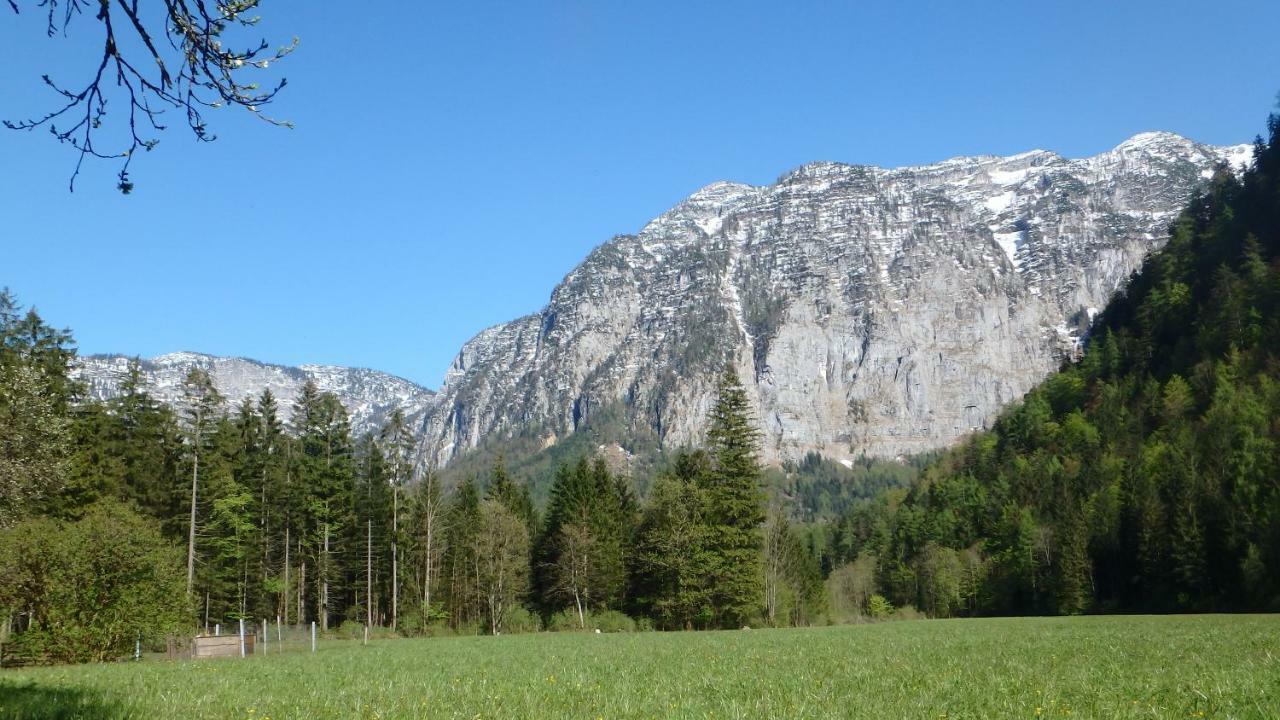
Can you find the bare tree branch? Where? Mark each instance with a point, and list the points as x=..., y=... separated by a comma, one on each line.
x=205, y=74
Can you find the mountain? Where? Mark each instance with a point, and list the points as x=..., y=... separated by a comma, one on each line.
x=368, y=395
x=871, y=312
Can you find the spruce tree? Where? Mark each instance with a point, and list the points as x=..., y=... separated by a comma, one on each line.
x=201, y=404
x=734, y=505
x=674, y=559
x=399, y=446
x=460, y=561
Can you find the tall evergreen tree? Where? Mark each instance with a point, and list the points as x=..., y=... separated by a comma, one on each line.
x=201, y=403
x=734, y=505
x=399, y=446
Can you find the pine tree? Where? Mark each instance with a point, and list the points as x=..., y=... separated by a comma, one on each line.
x=326, y=477
x=513, y=495
x=583, y=552
x=734, y=505
x=201, y=403
x=399, y=447
x=674, y=560
x=460, y=558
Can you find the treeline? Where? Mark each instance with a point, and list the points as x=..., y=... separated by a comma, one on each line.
x=295, y=518
x=1143, y=477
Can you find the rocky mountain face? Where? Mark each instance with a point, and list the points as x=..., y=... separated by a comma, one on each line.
x=368, y=395
x=869, y=311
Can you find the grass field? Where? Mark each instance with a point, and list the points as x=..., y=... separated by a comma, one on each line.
x=1095, y=667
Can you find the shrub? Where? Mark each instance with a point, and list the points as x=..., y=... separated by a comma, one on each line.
x=878, y=607
x=442, y=629
x=87, y=590
x=349, y=630
x=603, y=620
x=610, y=621
x=410, y=624
x=907, y=612
x=520, y=620
x=564, y=621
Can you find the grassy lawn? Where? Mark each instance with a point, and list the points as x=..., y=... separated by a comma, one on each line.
x=1097, y=667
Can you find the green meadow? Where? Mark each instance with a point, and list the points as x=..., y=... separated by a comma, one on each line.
x=1211, y=666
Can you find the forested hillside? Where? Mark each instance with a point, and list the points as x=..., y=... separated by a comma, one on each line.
x=1143, y=477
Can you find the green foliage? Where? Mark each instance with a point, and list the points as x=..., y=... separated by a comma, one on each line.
x=672, y=549
x=35, y=396
x=821, y=489
x=584, y=551
x=1140, y=477
x=611, y=621
x=519, y=620
x=87, y=590
x=529, y=459
x=878, y=607
x=501, y=562
x=734, y=506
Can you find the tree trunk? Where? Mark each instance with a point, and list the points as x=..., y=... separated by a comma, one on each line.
x=395, y=559
x=191, y=528
x=302, y=584
x=324, y=582
x=284, y=593
x=368, y=568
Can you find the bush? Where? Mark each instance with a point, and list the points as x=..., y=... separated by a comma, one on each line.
x=410, y=624
x=603, y=620
x=564, y=621
x=520, y=620
x=349, y=630
x=878, y=607
x=442, y=629
x=907, y=612
x=85, y=591
x=610, y=621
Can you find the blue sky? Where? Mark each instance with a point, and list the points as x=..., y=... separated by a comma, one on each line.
x=452, y=162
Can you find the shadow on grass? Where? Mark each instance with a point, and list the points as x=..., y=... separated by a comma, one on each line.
x=22, y=700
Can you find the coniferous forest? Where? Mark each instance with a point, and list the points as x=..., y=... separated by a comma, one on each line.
x=1144, y=476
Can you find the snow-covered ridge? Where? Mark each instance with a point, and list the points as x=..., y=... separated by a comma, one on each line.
x=368, y=395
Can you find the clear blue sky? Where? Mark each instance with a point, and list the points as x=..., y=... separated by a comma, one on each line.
x=453, y=161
